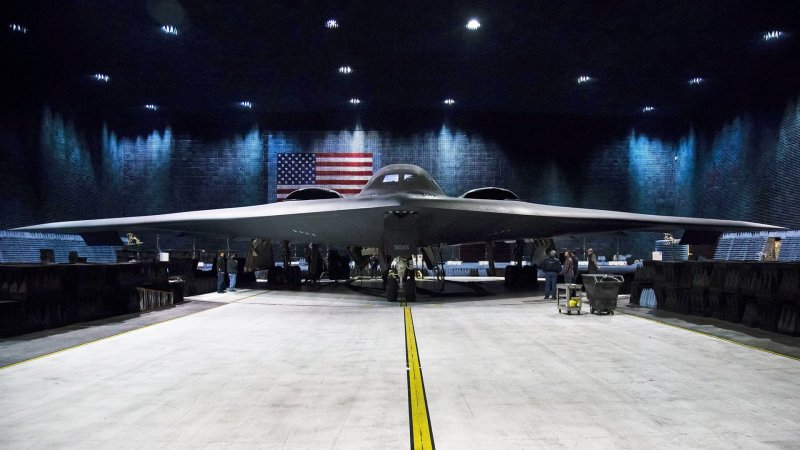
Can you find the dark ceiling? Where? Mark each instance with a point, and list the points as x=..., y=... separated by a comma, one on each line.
x=406, y=56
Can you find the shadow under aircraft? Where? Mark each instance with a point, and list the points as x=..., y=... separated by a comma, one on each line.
x=399, y=212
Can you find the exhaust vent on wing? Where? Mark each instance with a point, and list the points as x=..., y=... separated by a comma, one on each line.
x=312, y=194
x=491, y=193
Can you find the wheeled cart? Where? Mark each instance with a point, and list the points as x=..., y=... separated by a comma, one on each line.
x=602, y=291
x=566, y=301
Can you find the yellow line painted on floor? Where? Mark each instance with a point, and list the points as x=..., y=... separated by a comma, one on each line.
x=421, y=435
x=715, y=337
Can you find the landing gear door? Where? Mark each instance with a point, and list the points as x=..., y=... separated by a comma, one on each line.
x=401, y=233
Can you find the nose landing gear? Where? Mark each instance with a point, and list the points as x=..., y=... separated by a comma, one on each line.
x=401, y=279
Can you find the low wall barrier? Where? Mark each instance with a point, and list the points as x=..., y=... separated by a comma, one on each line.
x=759, y=295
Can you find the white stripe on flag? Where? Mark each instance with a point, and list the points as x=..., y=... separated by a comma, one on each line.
x=343, y=169
x=363, y=178
x=348, y=160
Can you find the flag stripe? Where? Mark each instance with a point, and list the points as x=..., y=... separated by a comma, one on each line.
x=344, y=171
x=348, y=155
x=346, y=163
x=358, y=180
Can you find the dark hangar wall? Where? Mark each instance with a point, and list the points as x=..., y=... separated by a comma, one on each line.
x=58, y=167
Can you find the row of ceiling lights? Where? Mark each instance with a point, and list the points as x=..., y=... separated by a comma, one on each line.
x=331, y=24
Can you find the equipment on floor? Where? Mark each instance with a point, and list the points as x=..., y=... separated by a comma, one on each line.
x=602, y=291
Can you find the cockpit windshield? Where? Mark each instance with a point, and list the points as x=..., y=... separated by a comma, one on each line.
x=402, y=178
x=396, y=177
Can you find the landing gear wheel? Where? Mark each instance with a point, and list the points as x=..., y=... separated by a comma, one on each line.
x=391, y=289
x=411, y=290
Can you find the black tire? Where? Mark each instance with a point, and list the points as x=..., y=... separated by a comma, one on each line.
x=391, y=289
x=411, y=290
x=297, y=276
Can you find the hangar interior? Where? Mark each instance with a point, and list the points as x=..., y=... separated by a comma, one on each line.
x=140, y=108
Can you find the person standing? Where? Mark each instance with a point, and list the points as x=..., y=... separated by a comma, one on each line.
x=568, y=270
x=592, y=258
x=219, y=264
x=551, y=268
x=233, y=269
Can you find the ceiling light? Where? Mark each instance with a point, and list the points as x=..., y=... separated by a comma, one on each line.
x=169, y=29
x=473, y=24
x=449, y=101
x=355, y=101
x=770, y=35
x=151, y=107
x=332, y=24
x=17, y=28
x=246, y=104
x=647, y=109
x=696, y=80
x=101, y=77
x=345, y=69
x=584, y=79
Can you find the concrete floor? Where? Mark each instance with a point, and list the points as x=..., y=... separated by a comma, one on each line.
x=327, y=369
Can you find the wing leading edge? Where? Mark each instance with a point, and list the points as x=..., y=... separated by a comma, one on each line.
x=458, y=221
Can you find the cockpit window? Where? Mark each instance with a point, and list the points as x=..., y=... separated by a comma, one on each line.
x=391, y=178
x=407, y=176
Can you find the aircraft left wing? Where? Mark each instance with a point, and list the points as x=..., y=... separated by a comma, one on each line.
x=344, y=221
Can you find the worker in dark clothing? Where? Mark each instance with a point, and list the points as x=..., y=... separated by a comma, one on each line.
x=219, y=265
x=233, y=269
x=551, y=268
x=592, y=258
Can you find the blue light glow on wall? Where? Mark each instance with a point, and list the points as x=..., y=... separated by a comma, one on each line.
x=651, y=174
x=67, y=175
x=725, y=172
x=146, y=172
x=685, y=175
x=248, y=173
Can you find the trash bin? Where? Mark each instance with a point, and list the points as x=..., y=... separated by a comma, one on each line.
x=176, y=285
x=602, y=291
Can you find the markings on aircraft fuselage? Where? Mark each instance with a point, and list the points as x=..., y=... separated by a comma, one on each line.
x=419, y=417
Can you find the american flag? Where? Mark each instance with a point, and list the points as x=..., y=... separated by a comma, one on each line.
x=346, y=173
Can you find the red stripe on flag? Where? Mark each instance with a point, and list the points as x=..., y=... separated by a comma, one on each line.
x=342, y=181
x=344, y=164
x=343, y=173
x=343, y=155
